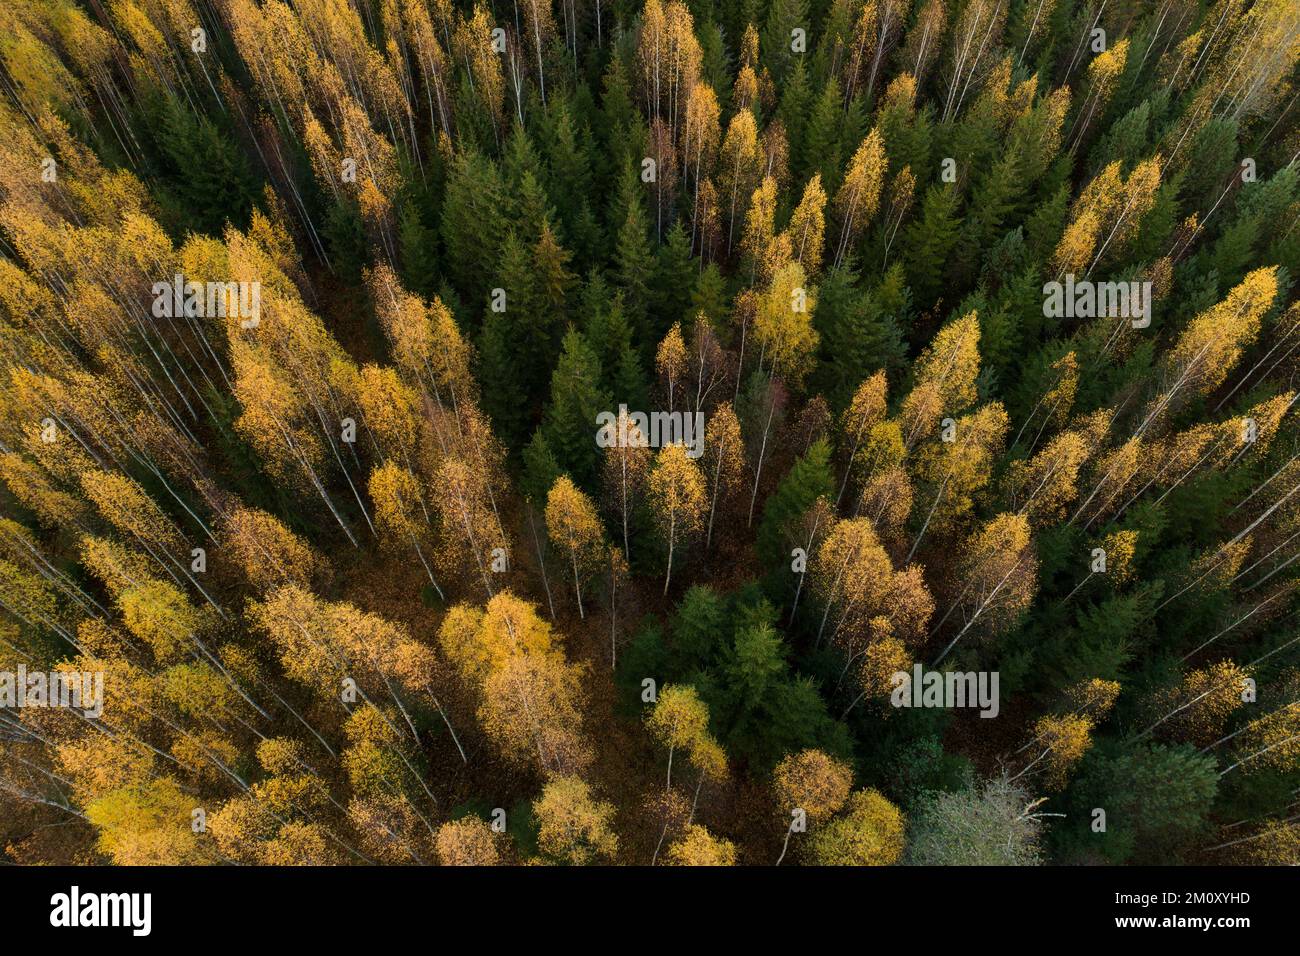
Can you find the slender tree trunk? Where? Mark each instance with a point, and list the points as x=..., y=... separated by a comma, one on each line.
x=672, y=539
x=577, y=584
x=789, y=830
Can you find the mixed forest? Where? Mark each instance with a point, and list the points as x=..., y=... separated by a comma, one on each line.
x=364, y=587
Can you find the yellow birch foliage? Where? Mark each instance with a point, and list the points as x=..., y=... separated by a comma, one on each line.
x=1272, y=741
x=467, y=842
x=784, y=327
x=670, y=363
x=680, y=721
x=699, y=847
x=1197, y=708
x=399, y=514
x=530, y=698
x=575, y=529
x=147, y=825
x=960, y=469
x=573, y=826
x=1064, y=739
x=945, y=378
x=812, y=781
x=759, y=245
x=624, y=471
x=678, y=497
x=266, y=551
x=858, y=197
x=1209, y=348
x=807, y=227
x=468, y=530
x=1000, y=573
x=740, y=167
x=125, y=506
x=1120, y=548
x=52, y=506
x=159, y=614
x=855, y=581
x=871, y=832
x=1043, y=487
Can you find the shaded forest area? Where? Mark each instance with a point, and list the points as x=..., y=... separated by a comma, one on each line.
x=361, y=582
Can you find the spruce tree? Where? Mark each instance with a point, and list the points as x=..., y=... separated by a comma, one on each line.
x=609, y=334
x=577, y=398
x=858, y=337
x=473, y=224
x=783, y=18
x=634, y=260
x=671, y=282
x=928, y=241
x=809, y=479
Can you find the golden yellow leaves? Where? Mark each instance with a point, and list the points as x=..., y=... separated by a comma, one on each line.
x=267, y=552
x=677, y=493
x=668, y=59
x=702, y=130
x=959, y=465
x=858, y=197
x=783, y=324
x=1212, y=344
x=467, y=842
x=38, y=77
x=399, y=512
x=724, y=462
x=1103, y=74
x=945, y=377
x=30, y=486
x=761, y=248
x=1093, y=697
x=322, y=643
x=530, y=698
x=670, y=363
x=575, y=529
x=469, y=529
x=1043, y=487
x=1065, y=740
x=147, y=825
x=1120, y=547
x=740, y=167
x=680, y=720
x=856, y=582
x=159, y=614
x=1060, y=740
x=870, y=833
x=883, y=658
x=808, y=226
x=999, y=575
x=99, y=764
x=699, y=847
x=1271, y=741
x=1109, y=211
x=371, y=759
x=866, y=410
x=1198, y=707
x=812, y=781
x=573, y=826
x=480, y=640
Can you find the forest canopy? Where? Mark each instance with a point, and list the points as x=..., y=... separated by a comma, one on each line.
x=691, y=433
